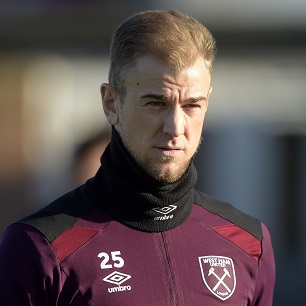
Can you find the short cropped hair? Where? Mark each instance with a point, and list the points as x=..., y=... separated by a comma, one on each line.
x=175, y=38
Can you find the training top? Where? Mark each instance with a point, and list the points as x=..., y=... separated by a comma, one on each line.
x=125, y=239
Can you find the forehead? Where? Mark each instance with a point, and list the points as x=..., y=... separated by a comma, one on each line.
x=151, y=73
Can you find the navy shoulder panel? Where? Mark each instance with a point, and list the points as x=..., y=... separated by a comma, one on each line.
x=230, y=213
x=61, y=214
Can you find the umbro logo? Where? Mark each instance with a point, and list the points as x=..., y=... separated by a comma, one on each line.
x=165, y=210
x=117, y=278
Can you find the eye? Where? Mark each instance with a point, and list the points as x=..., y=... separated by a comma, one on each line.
x=192, y=106
x=156, y=103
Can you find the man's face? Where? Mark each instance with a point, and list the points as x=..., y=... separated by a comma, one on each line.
x=161, y=117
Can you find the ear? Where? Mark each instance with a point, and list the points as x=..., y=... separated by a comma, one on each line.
x=110, y=102
x=209, y=92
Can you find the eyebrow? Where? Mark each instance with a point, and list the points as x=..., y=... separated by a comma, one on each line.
x=165, y=98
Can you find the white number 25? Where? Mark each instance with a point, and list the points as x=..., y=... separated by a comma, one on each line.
x=116, y=259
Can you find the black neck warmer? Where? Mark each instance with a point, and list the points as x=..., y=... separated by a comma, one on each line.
x=132, y=197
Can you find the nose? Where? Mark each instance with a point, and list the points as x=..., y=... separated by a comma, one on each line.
x=174, y=124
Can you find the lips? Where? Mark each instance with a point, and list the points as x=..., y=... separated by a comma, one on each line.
x=169, y=148
x=170, y=151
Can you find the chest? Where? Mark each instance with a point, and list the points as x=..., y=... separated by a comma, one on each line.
x=189, y=265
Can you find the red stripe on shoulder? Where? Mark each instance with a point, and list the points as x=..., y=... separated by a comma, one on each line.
x=71, y=240
x=241, y=238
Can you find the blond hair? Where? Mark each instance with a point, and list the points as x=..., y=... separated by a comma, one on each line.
x=176, y=38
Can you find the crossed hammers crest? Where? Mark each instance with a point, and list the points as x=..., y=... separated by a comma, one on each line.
x=220, y=280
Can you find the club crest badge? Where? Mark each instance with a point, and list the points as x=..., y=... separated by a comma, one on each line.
x=218, y=274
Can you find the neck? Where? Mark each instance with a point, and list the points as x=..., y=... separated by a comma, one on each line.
x=131, y=196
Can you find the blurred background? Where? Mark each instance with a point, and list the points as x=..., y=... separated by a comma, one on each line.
x=54, y=56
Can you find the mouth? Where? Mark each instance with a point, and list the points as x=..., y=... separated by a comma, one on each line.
x=170, y=152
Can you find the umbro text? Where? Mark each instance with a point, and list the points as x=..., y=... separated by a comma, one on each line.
x=163, y=218
x=119, y=288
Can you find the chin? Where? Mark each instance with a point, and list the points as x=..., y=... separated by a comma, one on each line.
x=166, y=176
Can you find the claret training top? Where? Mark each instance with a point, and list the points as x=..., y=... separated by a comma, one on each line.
x=125, y=239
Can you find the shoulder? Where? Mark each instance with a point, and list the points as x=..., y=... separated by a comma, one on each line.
x=61, y=214
x=19, y=237
x=230, y=213
x=27, y=264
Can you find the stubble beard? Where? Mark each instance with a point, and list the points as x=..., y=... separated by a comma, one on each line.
x=171, y=174
x=166, y=170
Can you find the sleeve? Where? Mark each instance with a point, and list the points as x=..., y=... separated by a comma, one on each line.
x=29, y=271
x=265, y=280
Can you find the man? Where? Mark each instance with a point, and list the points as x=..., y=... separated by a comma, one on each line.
x=138, y=233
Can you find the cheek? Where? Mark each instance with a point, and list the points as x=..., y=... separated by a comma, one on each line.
x=195, y=125
x=135, y=127
x=195, y=132
x=127, y=119
x=147, y=123
x=195, y=139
